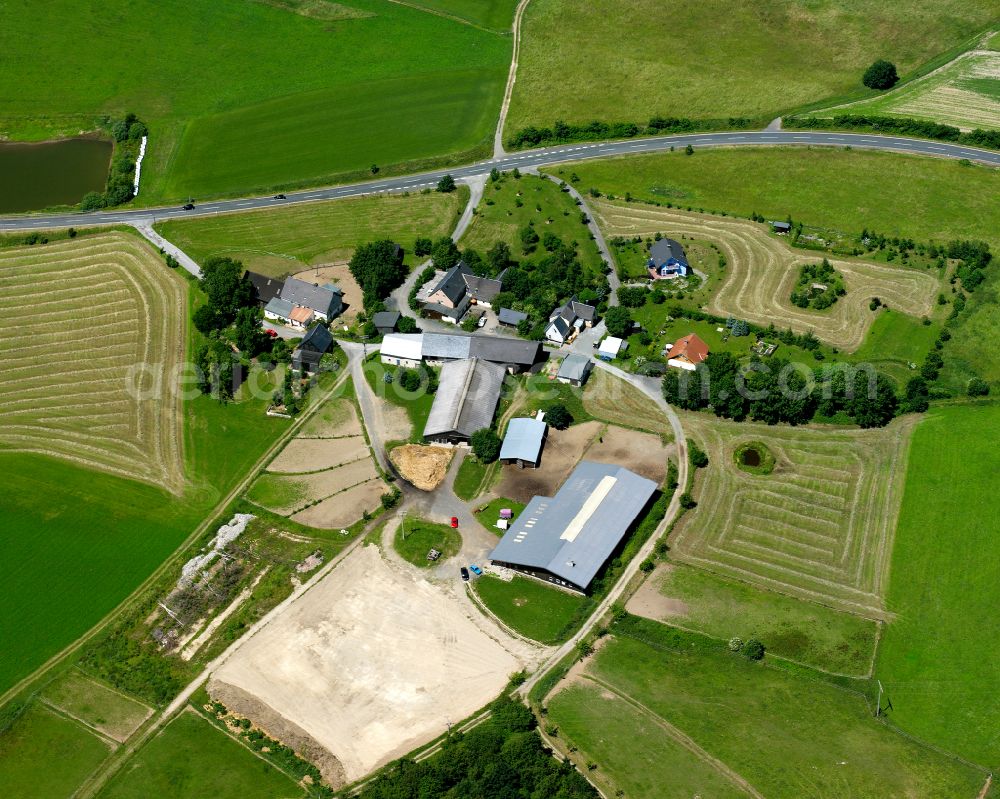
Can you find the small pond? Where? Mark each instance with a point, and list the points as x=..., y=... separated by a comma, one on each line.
x=750, y=457
x=37, y=176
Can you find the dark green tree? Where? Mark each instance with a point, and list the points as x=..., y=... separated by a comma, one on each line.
x=881, y=75
x=558, y=416
x=446, y=184
x=250, y=337
x=227, y=289
x=618, y=321
x=377, y=270
x=486, y=444
x=445, y=253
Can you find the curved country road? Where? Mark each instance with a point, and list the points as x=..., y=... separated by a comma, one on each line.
x=547, y=156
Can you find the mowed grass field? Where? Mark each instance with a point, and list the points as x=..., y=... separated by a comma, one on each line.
x=897, y=195
x=103, y=533
x=615, y=60
x=774, y=731
x=937, y=658
x=965, y=93
x=820, y=526
x=803, y=631
x=529, y=607
x=76, y=318
x=191, y=758
x=286, y=240
x=250, y=95
x=762, y=269
x=497, y=15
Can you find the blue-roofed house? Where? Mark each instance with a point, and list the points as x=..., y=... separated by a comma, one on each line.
x=567, y=539
x=522, y=443
x=667, y=260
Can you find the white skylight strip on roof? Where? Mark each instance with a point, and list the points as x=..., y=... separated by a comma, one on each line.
x=592, y=504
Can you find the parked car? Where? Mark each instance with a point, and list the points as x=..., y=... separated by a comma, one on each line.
x=188, y=207
x=482, y=321
x=454, y=521
x=465, y=574
x=280, y=197
x=476, y=570
x=271, y=332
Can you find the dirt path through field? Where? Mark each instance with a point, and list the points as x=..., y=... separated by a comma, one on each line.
x=762, y=271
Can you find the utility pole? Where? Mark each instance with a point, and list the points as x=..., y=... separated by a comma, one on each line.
x=878, y=705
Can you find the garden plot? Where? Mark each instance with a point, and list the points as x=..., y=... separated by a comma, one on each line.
x=343, y=509
x=820, y=526
x=762, y=270
x=311, y=454
x=338, y=418
x=368, y=664
x=91, y=337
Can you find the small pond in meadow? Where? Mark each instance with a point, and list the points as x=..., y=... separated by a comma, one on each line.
x=37, y=176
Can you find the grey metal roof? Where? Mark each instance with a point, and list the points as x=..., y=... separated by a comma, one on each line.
x=385, y=318
x=561, y=325
x=662, y=251
x=446, y=346
x=583, y=311
x=483, y=288
x=574, y=367
x=309, y=295
x=503, y=349
x=454, y=313
x=267, y=287
x=509, y=316
x=317, y=339
x=523, y=439
x=572, y=534
x=466, y=398
x=279, y=307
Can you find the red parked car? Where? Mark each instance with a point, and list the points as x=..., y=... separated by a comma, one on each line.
x=271, y=332
x=454, y=521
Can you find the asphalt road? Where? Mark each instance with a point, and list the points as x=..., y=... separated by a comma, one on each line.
x=530, y=158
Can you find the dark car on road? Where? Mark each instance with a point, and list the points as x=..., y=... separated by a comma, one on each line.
x=188, y=207
x=465, y=574
x=280, y=197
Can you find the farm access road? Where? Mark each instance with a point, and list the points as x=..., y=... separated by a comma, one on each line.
x=546, y=156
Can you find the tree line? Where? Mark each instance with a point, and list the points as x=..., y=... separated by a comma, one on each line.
x=127, y=133
x=564, y=132
x=903, y=126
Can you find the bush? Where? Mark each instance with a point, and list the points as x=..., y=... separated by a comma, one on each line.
x=687, y=501
x=753, y=650
x=618, y=322
x=409, y=379
x=486, y=444
x=881, y=75
x=558, y=416
x=632, y=296
x=697, y=456
x=422, y=246
x=446, y=184
x=407, y=325
x=647, y=565
x=978, y=387
x=735, y=644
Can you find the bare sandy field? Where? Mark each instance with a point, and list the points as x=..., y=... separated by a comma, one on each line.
x=338, y=418
x=649, y=603
x=367, y=665
x=339, y=275
x=312, y=454
x=563, y=450
x=643, y=453
x=343, y=509
x=425, y=467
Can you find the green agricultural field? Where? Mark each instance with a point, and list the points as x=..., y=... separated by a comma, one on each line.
x=839, y=190
x=803, y=631
x=104, y=534
x=96, y=705
x=785, y=733
x=250, y=95
x=654, y=765
x=718, y=60
x=937, y=658
x=47, y=755
x=543, y=204
x=190, y=759
x=498, y=15
x=415, y=538
x=531, y=608
x=286, y=240
x=965, y=93
x=820, y=526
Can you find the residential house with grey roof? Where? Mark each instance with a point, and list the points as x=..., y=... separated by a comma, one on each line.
x=315, y=343
x=566, y=321
x=567, y=539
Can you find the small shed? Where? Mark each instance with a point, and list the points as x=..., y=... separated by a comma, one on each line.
x=611, y=348
x=574, y=369
x=781, y=227
x=523, y=442
x=386, y=322
x=510, y=317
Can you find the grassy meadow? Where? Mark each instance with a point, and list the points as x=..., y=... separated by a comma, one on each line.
x=711, y=59
x=511, y=203
x=497, y=15
x=803, y=631
x=840, y=190
x=937, y=658
x=531, y=608
x=783, y=731
x=191, y=758
x=252, y=95
x=96, y=705
x=289, y=239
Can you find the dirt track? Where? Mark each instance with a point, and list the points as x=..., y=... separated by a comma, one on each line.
x=369, y=664
x=762, y=271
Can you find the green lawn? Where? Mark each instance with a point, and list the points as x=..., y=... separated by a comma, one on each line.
x=469, y=477
x=289, y=239
x=500, y=218
x=497, y=15
x=248, y=95
x=109, y=711
x=490, y=512
x=417, y=405
x=937, y=659
x=840, y=190
x=46, y=756
x=786, y=734
x=416, y=537
x=794, y=628
x=897, y=337
x=191, y=759
x=531, y=608
x=720, y=59
x=652, y=765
